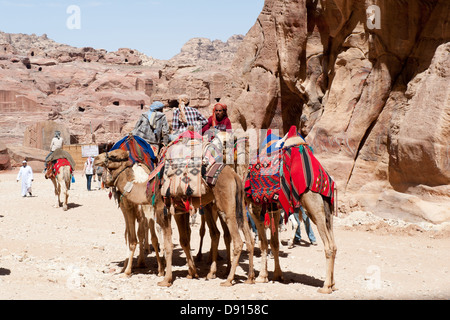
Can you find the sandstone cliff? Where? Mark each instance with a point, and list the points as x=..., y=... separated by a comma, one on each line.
x=369, y=91
x=98, y=95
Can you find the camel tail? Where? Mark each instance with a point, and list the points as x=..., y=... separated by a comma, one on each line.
x=67, y=177
x=239, y=201
x=329, y=208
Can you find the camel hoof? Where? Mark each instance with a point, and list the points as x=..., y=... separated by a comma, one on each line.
x=325, y=290
x=164, y=283
x=125, y=275
x=226, y=284
x=211, y=276
x=65, y=208
x=262, y=280
x=250, y=281
x=278, y=278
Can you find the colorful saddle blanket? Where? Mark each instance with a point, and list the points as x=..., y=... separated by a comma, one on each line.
x=300, y=171
x=182, y=170
x=139, y=150
x=263, y=179
x=60, y=163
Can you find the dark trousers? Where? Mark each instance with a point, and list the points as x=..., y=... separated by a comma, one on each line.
x=89, y=179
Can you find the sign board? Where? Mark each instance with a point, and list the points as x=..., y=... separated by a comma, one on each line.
x=89, y=151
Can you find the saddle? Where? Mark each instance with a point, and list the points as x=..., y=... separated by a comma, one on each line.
x=183, y=170
x=54, y=166
x=138, y=149
x=262, y=184
x=300, y=171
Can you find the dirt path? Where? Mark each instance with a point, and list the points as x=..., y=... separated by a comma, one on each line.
x=46, y=253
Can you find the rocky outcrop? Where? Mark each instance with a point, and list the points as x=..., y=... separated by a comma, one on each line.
x=199, y=70
x=98, y=95
x=371, y=99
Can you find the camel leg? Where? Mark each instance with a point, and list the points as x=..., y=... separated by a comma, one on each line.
x=155, y=244
x=294, y=226
x=182, y=221
x=66, y=199
x=320, y=213
x=166, y=226
x=250, y=245
x=57, y=191
x=231, y=222
x=215, y=236
x=202, y=235
x=142, y=230
x=129, y=211
x=255, y=212
x=227, y=241
x=275, y=246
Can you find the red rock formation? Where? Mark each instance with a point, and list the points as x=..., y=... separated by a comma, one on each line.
x=372, y=102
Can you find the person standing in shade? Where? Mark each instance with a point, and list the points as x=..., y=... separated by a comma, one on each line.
x=89, y=171
x=26, y=174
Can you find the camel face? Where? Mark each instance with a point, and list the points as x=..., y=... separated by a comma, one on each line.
x=105, y=158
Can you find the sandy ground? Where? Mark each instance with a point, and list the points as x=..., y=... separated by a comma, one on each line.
x=46, y=253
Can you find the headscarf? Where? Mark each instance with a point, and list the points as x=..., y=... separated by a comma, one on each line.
x=183, y=100
x=57, y=134
x=224, y=107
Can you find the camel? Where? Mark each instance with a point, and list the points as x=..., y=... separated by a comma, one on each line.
x=117, y=174
x=319, y=210
x=61, y=182
x=240, y=166
x=225, y=197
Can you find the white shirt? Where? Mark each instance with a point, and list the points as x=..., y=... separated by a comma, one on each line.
x=57, y=143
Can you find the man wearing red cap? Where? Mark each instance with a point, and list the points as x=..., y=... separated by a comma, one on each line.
x=219, y=119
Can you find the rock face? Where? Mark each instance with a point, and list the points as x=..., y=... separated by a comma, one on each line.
x=369, y=91
x=99, y=95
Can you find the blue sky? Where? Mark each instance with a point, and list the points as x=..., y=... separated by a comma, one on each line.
x=158, y=28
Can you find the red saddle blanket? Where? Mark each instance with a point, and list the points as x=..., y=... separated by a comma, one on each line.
x=300, y=171
x=263, y=180
x=61, y=163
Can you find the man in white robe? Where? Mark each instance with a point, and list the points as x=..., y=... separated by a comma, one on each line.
x=26, y=173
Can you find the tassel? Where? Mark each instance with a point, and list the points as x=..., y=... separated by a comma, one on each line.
x=165, y=211
x=172, y=209
x=189, y=191
x=110, y=195
x=168, y=192
x=153, y=199
x=203, y=170
x=201, y=211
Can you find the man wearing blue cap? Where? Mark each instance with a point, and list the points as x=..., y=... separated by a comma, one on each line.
x=152, y=126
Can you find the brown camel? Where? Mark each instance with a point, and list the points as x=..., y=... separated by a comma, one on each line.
x=61, y=182
x=226, y=197
x=317, y=208
x=119, y=171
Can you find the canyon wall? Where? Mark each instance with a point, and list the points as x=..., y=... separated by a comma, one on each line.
x=367, y=83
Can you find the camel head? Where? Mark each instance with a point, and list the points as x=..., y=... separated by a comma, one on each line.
x=112, y=160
